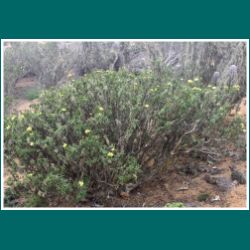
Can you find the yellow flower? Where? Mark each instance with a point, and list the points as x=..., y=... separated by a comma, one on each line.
x=81, y=183
x=63, y=109
x=146, y=106
x=101, y=109
x=13, y=117
x=196, y=89
x=87, y=131
x=8, y=127
x=31, y=144
x=153, y=90
x=190, y=81
x=196, y=79
x=29, y=129
x=110, y=154
x=30, y=175
x=21, y=117
x=236, y=87
x=65, y=145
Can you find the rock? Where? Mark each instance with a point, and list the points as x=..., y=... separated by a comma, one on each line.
x=97, y=205
x=235, y=183
x=221, y=182
x=237, y=175
x=215, y=170
x=215, y=77
x=110, y=194
x=216, y=198
x=182, y=189
x=232, y=75
x=209, y=179
x=202, y=168
x=191, y=204
x=192, y=169
x=129, y=187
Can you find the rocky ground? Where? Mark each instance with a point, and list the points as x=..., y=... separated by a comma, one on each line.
x=191, y=190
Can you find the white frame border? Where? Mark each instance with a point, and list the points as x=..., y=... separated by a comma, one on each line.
x=125, y=40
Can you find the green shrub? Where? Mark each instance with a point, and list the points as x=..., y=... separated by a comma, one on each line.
x=174, y=204
x=32, y=94
x=97, y=134
x=203, y=197
x=10, y=197
x=7, y=104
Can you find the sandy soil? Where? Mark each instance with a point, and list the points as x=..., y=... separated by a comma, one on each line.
x=22, y=104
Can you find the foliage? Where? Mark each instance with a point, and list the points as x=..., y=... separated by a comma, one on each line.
x=32, y=94
x=97, y=134
x=13, y=69
x=7, y=104
x=203, y=197
x=174, y=204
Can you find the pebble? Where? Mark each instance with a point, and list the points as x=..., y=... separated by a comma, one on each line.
x=215, y=170
x=221, y=182
x=182, y=189
x=216, y=198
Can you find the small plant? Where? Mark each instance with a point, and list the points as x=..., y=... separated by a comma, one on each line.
x=32, y=94
x=203, y=197
x=11, y=197
x=174, y=204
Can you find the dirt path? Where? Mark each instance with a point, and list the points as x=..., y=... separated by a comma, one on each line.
x=21, y=103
